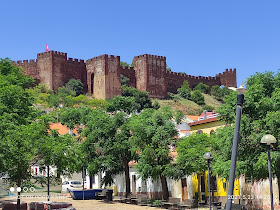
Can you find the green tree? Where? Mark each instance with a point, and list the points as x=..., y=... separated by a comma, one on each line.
x=59, y=151
x=184, y=91
x=190, y=153
x=153, y=133
x=124, y=80
x=197, y=97
x=141, y=98
x=203, y=88
x=260, y=115
x=124, y=64
x=75, y=85
x=106, y=146
x=70, y=117
x=218, y=92
x=121, y=103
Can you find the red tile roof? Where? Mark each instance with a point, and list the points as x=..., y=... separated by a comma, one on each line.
x=203, y=121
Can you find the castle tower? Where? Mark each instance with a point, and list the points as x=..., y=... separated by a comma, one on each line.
x=228, y=78
x=55, y=70
x=150, y=73
x=103, y=76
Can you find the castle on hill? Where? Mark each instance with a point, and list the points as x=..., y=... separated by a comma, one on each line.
x=101, y=75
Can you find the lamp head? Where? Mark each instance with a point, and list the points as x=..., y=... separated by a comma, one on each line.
x=268, y=139
x=208, y=156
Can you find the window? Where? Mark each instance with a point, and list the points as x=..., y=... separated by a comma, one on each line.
x=213, y=183
x=199, y=132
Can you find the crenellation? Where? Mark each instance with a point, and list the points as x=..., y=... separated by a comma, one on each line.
x=149, y=73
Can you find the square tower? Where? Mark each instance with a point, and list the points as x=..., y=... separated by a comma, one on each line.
x=150, y=73
x=103, y=76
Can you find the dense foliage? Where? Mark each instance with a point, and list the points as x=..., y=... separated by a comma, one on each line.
x=203, y=88
x=184, y=91
x=260, y=116
x=197, y=97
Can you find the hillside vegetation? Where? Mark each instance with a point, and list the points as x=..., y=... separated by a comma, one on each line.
x=190, y=107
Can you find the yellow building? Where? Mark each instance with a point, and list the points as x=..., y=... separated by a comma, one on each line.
x=207, y=124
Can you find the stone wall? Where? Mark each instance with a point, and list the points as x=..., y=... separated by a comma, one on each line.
x=101, y=75
x=150, y=73
x=256, y=195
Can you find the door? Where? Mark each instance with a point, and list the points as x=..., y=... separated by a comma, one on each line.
x=202, y=189
x=133, y=184
x=184, y=189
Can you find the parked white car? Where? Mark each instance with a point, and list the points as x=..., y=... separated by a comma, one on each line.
x=71, y=185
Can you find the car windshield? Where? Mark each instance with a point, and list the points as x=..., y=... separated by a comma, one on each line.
x=75, y=182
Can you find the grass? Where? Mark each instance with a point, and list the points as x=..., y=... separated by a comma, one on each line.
x=188, y=106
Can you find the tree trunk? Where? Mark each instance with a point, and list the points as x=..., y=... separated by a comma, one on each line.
x=278, y=181
x=127, y=179
x=164, y=186
x=18, y=197
x=48, y=168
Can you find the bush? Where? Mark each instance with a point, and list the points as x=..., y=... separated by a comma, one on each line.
x=202, y=88
x=141, y=98
x=208, y=108
x=184, y=91
x=170, y=96
x=219, y=93
x=124, y=80
x=156, y=105
x=75, y=85
x=197, y=97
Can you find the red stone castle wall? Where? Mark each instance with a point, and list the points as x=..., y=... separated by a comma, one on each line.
x=150, y=73
x=54, y=69
x=129, y=72
x=101, y=75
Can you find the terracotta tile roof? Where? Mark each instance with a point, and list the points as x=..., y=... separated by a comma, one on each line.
x=62, y=129
x=193, y=117
x=203, y=121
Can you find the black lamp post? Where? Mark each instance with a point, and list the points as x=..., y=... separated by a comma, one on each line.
x=269, y=139
x=240, y=100
x=208, y=156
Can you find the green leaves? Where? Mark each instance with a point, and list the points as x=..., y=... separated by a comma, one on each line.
x=190, y=153
x=260, y=116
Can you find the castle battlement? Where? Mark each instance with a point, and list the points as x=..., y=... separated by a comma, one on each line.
x=19, y=62
x=75, y=60
x=151, y=56
x=54, y=53
x=148, y=74
x=126, y=68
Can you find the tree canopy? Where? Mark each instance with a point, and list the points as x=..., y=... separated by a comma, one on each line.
x=153, y=134
x=260, y=116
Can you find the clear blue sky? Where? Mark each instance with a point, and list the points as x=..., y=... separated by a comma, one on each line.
x=197, y=37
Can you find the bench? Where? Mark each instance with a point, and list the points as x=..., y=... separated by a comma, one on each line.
x=141, y=200
x=129, y=198
x=100, y=195
x=172, y=202
x=188, y=204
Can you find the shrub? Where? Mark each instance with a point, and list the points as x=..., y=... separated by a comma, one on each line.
x=202, y=88
x=184, y=91
x=75, y=85
x=197, y=97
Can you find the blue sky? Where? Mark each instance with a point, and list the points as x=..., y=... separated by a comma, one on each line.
x=197, y=37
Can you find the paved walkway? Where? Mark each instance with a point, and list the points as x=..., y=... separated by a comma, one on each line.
x=93, y=204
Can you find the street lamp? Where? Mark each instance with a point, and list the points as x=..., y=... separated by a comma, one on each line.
x=240, y=100
x=208, y=156
x=269, y=139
